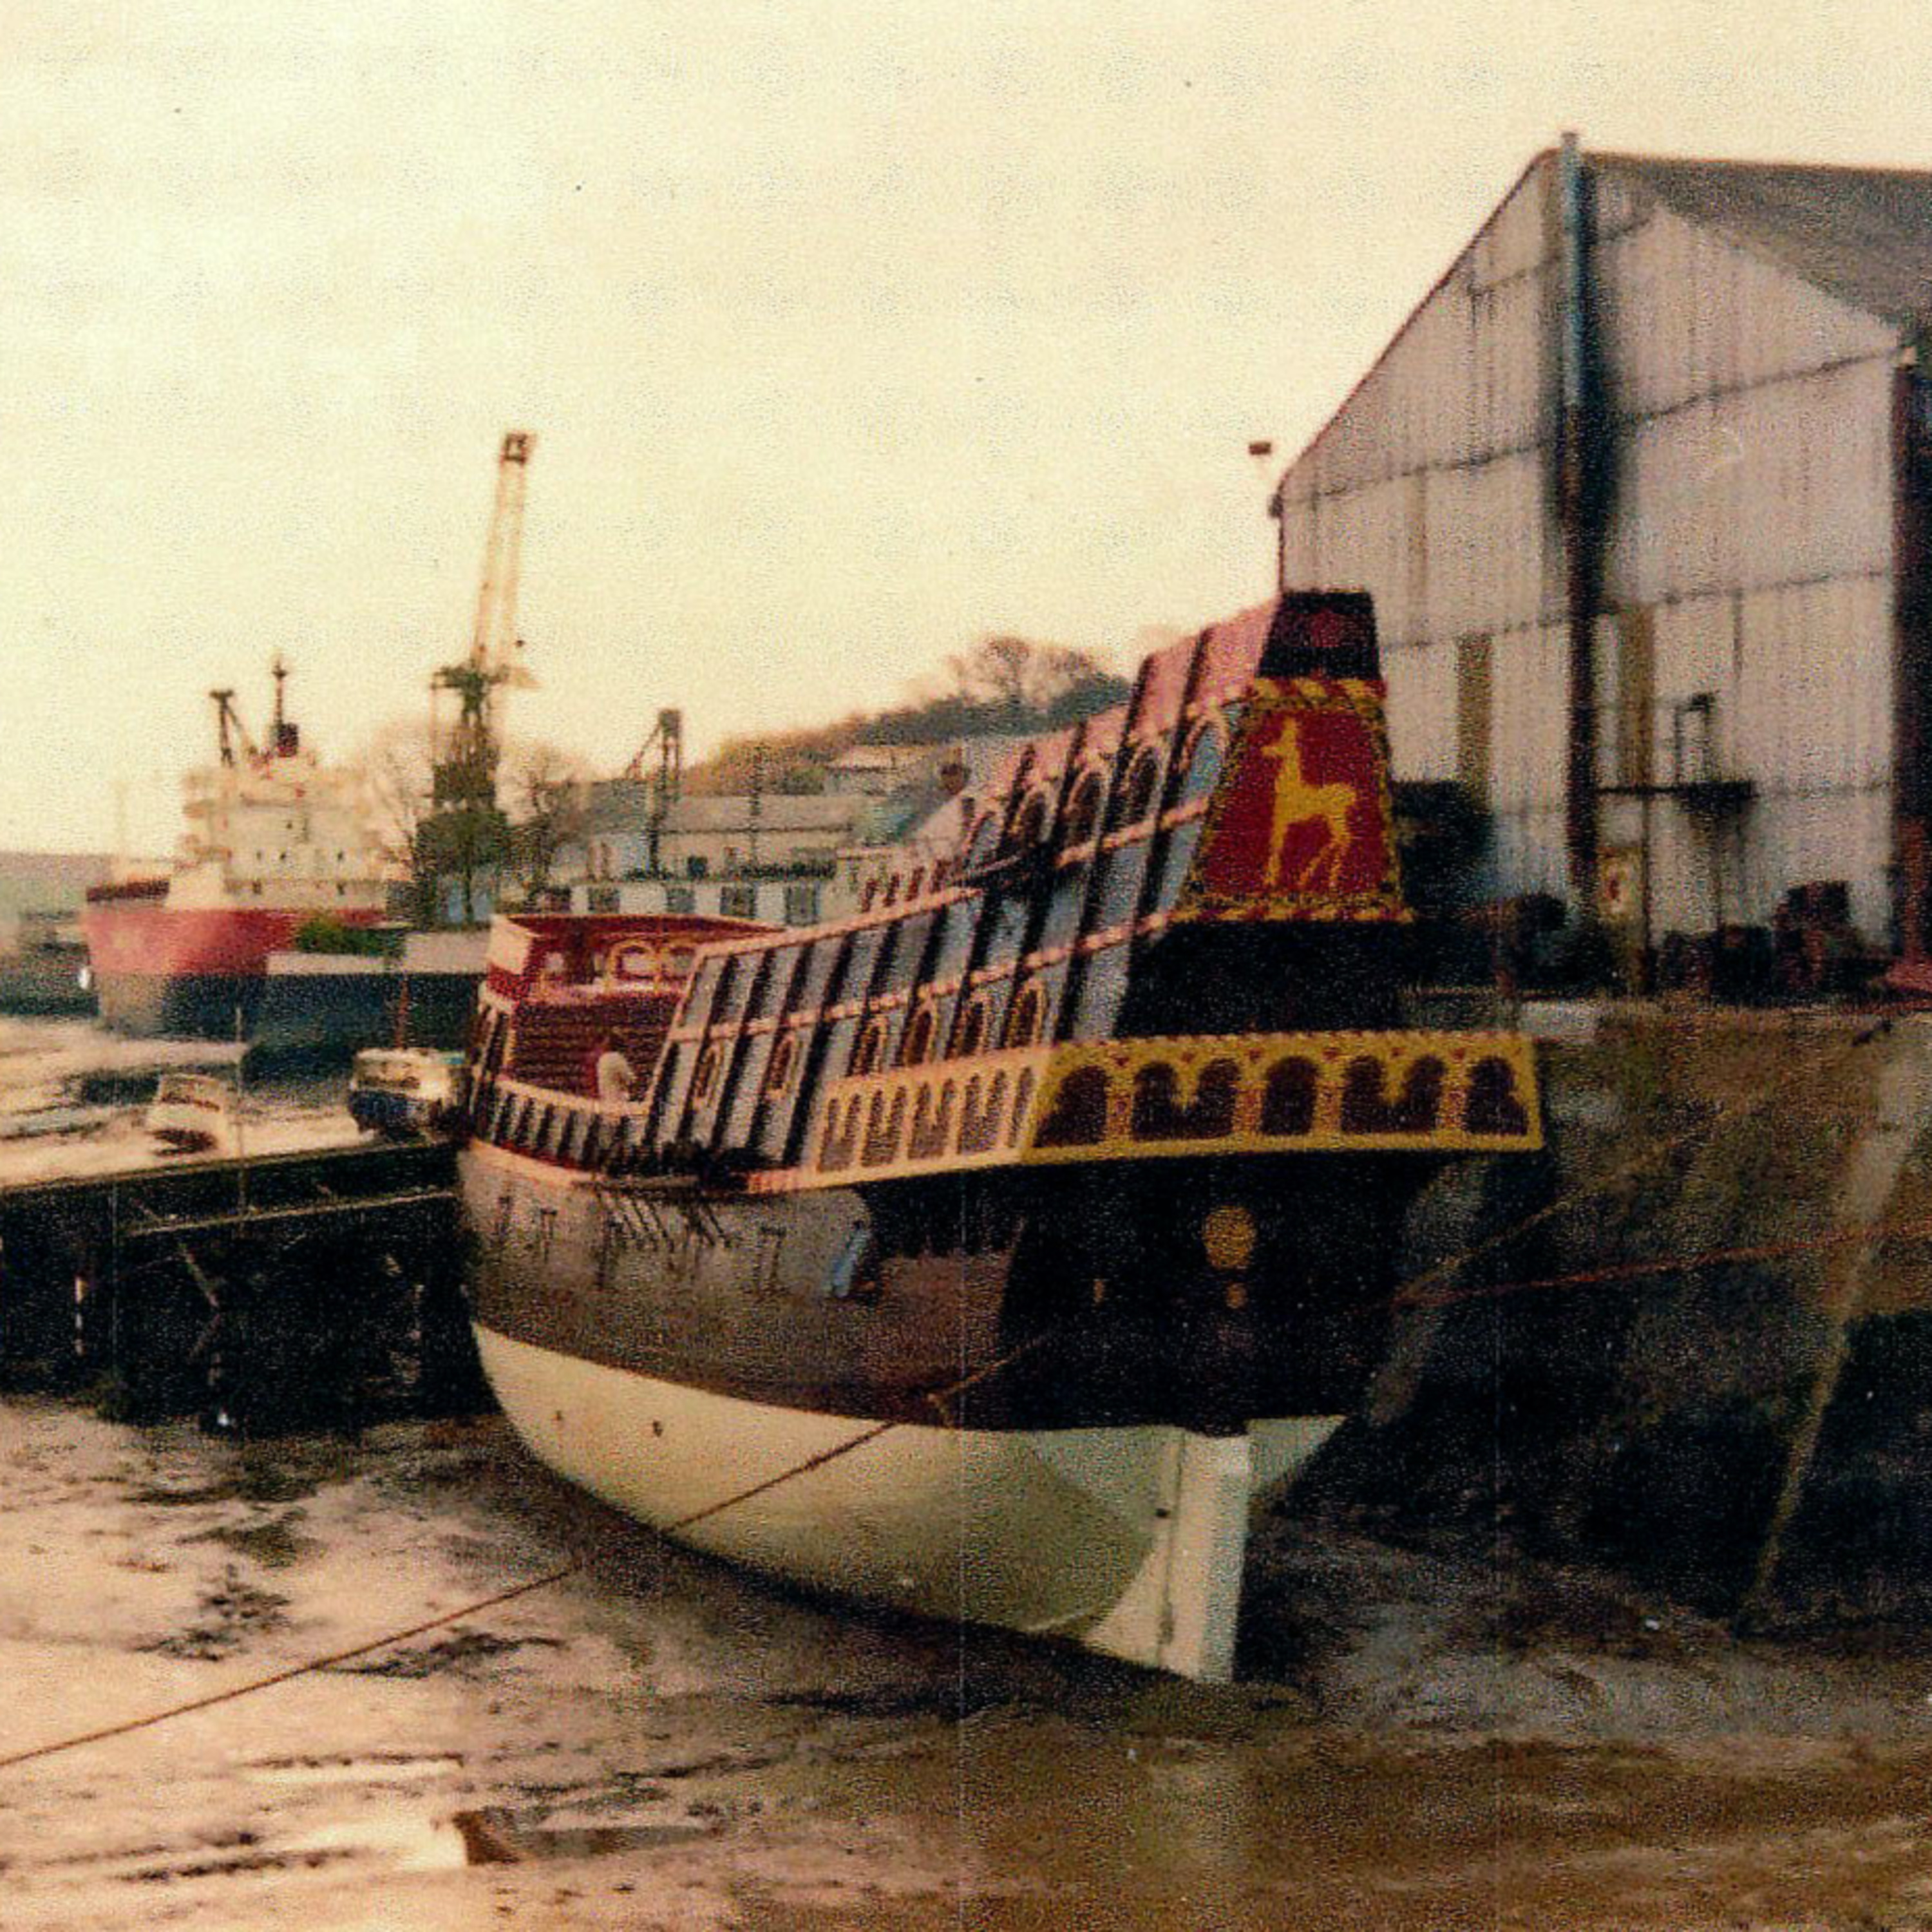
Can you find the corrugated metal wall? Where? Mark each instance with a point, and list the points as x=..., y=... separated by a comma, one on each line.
x=1750, y=523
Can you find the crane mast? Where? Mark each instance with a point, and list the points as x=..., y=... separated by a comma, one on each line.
x=231, y=735
x=667, y=739
x=467, y=758
x=494, y=643
x=228, y=729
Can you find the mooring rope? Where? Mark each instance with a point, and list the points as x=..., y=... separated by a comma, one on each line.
x=310, y=1665
x=305, y=1668
x=1411, y=1293
x=1865, y=1234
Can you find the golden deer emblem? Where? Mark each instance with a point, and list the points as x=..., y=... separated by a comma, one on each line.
x=1296, y=803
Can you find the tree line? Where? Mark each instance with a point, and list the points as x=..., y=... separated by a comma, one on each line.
x=1002, y=685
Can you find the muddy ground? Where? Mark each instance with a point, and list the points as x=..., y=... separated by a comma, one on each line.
x=1438, y=1739
x=1428, y=1735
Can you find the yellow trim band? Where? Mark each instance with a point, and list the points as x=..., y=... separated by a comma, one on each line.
x=1140, y=1099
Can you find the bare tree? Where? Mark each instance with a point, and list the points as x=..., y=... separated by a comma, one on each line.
x=462, y=848
x=1023, y=682
x=548, y=801
x=395, y=766
x=1002, y=683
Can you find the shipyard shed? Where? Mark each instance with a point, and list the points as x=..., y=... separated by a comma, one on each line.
x=1641, y=490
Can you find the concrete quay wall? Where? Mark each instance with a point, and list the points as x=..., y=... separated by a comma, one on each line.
x=1701, y=1351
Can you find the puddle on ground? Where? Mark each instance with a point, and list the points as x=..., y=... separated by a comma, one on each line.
x=403, y=1843
x=234, y=1855
x=491, y=1835
x=398, y=1840
x=380, y=1768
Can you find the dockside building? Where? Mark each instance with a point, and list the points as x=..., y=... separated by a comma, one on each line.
x=1643, y=492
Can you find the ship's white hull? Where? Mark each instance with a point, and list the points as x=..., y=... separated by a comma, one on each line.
x=1131, y=1540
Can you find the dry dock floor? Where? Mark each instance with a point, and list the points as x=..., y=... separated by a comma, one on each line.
x=1424, y=1741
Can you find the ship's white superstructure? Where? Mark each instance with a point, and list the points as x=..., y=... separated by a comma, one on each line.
x=280, y=828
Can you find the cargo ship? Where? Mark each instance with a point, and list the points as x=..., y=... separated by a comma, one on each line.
x=275, y=840
x=988, y=1255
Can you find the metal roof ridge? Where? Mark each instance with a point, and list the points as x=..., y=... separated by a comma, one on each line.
x=1637, y=165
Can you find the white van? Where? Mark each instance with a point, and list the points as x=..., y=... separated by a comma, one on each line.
x=200, y=1113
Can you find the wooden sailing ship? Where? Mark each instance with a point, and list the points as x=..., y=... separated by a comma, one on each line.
x=989, y=1253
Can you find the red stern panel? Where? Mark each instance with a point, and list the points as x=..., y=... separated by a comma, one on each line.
x=1302, y=827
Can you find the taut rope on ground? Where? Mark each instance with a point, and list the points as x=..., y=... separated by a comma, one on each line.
x=550, y=1579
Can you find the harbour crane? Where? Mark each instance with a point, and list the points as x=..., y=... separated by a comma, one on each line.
x=467, y=758
x=666, y=781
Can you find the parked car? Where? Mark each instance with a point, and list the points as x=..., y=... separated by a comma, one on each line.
x=403, y=1091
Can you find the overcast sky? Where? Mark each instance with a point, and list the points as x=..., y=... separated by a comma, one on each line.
x=848, y=331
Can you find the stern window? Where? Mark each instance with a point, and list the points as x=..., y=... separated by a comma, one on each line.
x=1205, y=757
x=1136, y=799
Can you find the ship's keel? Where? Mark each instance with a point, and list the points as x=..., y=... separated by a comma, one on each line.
x=1129, y=1539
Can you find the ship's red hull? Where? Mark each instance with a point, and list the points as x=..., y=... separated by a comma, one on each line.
x=158, y=969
